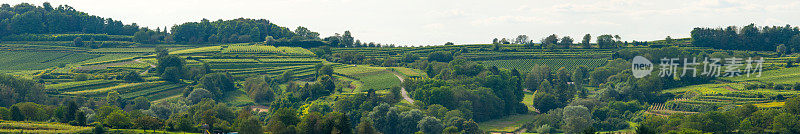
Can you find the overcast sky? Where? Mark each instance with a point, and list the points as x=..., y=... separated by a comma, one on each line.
x=433, y=22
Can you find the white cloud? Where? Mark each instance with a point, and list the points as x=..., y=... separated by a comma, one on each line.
x=446, y=13
x=513, y=19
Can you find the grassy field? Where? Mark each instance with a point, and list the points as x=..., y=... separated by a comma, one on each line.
x=371, y=77
x=41, y=127
x=506, y=124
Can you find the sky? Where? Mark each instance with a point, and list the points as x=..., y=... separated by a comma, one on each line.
x=434, y=22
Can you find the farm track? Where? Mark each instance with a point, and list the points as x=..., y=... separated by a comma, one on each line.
x=146, y=70
x=403, y=90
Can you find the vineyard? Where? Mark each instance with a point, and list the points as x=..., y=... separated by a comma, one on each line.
x=39, y=60
x=732, y=92
x=261, y=49
x=525, y=65
x=371, y=77
x=480, y=52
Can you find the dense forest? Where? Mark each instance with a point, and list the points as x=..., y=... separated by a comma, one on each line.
x=750, y=37
x=30, y=19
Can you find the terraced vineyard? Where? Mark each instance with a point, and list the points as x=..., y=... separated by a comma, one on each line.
x=262, y=49
x=12, y=60
x=525, y=65
x=480, y=52
x=705, y=97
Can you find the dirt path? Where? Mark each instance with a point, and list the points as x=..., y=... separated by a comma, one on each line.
x=403, y=90
x=146, y=70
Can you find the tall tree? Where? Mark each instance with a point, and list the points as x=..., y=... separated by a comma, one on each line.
x=586, y=42
x=566, y=41
x=347, y=39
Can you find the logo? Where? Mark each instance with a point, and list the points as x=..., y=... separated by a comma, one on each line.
x=641, y=67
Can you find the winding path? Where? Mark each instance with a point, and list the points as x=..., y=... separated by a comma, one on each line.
x=403, y=90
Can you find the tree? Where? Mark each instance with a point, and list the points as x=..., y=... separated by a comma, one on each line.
x=259, y=90
x=305, y=33
x=440, y=56
x=217, y=83
x=449, y=43
x=576, y=119
x=794, y=43
x=606, y=41
x=16, y=115
x=287, y=76
x=471, y=127
x=566, y=41
x=365, y=126
x=786, y=123
x=544, y=129
x=521, y=39
x=409, y=57
x=81, y=77
x=140, y=102
x=113, y=98
x=177, y=65
x=161, y=52
x=198, y=94
x=147, y=123
x=77, y=42
x=496, y=47
x=80, y=118
x=251, y=126
x=792, y=105
x=451, y=130
x=347, y=39
x=586, y=42
x=117, y=119
x=99, y=129
x=430, y=125
x=550, y=40
x=325, y=70
x=281, y=118
x=535, y=77
x=668, y=40
x=781, y=49
x=580, y=74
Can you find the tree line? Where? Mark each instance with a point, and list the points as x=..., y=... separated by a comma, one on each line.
x=26, y=18
x=750, y=37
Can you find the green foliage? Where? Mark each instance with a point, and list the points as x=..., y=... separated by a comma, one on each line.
x=430, y=125
x=792, y=105
x=440, y=56
x=251, y=125
x=29, y=20
x=749, y=37
x=536, y=76
x=177, y=65
x=217, y=83
x=222, y=31
x=19, y=90
x=260, y=90
x=198, y=94
x=366, y=127
x=117, y=119
x=606, y=41
x=576, y=119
